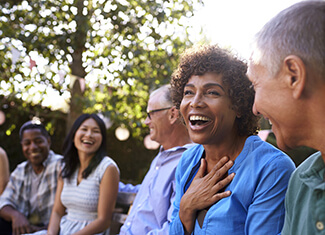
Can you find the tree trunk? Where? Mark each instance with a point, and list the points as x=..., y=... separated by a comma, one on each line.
x=76, y=103
x=77, y=93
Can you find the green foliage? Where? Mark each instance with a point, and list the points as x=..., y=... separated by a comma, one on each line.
x=17, y=114
x=131, y=156
x=123, y=49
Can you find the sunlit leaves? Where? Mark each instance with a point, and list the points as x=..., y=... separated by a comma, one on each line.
x=123, y=50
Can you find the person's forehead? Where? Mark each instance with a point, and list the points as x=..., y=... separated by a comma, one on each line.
x=89, y=121
x=34, y=132
x=250, y=71
x=156, y=100
x=254, y=70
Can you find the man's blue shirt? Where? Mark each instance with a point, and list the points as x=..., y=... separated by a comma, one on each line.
x=153, y=205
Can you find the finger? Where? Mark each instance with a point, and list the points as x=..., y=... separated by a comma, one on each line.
x=202, y=169
x=16, y=230
x=24, y=229
x=221, y=162
x=28, y=229
x=219, y=173
x=217, y=197
x=223, y=183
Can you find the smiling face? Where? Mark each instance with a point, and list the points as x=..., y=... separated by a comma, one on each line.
x=158, y=122
x=274, y=101
x=88, y=138
x=35, y=147
x=207, y=109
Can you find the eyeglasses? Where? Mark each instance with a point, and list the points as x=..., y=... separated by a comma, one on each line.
x=156, y=110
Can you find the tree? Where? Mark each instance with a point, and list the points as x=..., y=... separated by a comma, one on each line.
x=103, y=55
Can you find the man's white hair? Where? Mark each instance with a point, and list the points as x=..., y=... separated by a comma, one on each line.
x=164, y=91
x=298, y=30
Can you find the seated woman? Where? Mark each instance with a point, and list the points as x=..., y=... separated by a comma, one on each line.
x=231, y=182
x=88, y=185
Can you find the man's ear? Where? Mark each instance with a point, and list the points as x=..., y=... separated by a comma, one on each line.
x=174, y=115
x=49, y=141
x=295, y=70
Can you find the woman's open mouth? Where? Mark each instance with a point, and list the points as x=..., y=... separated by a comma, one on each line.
x=198, y=120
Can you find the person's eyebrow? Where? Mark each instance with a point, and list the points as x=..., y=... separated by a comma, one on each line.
x=212, y=84
x=86, y=126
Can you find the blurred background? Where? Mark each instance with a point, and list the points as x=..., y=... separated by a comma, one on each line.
x=62, y=58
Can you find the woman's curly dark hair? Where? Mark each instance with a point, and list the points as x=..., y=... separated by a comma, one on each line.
x=200, y=60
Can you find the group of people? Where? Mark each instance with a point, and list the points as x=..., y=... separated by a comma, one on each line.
x=67, y=194
x=213, y=174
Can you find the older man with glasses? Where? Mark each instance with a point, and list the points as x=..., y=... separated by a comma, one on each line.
x=153, y=205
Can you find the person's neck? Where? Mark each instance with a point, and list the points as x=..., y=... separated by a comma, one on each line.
x=231, y=149
x=313, y=125
x=84, y=161
x=38, y=169
x=177, y=138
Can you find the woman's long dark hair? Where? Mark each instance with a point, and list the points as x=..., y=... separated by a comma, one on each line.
x=70, y=153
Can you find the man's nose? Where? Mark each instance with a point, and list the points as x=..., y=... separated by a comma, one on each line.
x=255, y=111
x=33, y=145
x=147, y=120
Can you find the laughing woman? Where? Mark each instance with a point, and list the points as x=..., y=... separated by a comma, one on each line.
x=231, y=182
x=88, y=186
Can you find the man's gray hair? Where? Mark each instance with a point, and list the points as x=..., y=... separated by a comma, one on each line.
x=298, y=30
x=166, y=98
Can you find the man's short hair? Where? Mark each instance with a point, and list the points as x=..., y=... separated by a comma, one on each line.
x=298, y=30
x=33, y=124
x=167, y=99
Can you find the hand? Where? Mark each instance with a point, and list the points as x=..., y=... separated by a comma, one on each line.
x=38, y=228
x=205, y=190
x=21, y=225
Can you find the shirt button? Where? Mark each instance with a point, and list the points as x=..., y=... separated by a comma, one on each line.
x=128, y=223
x=320, y=225
x=157, y=167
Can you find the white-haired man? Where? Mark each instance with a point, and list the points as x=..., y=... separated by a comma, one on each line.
x=153, y=205
x=287, y=69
